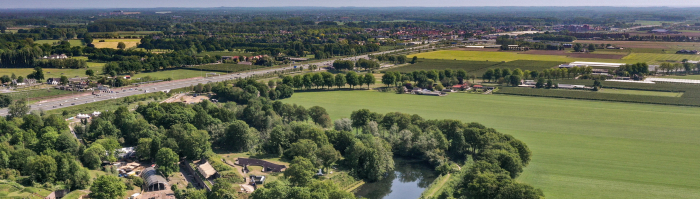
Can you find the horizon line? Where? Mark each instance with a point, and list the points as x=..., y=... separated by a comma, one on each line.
x=79, y=8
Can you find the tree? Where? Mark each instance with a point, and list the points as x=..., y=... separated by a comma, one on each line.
x=237, y=134
x=340, y=80
x=5, y=79
x=87, y=39
x=108, y=187
x=317, y=114
x=328, y=79
x=300, y=172
x=38, y=74
x=43, y=169
x=550, y=84
x=578, y=47
x=388, y=79
x=143, y=148
x=591, y=47
x=488, y=75
x=305, y=148
x=317, y=80
x=167, y=160
x=401, y=59
x=597, y=85
x=80, y=179
x=64, y=80
x=18, y=108
x=222, y=189
x=514, y=80
x=414, y=60
x=121, y=45
x=369, y=79
x=327, y=155
x=540, y=82
x=89, y=72
x=352, y=79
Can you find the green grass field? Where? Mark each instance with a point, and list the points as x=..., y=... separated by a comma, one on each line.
x=656, y=57
x=504, y=56
x=651, y=23
x=52, y=72
x=175, y=74
x=695, y=77
x=511, y=56
x=581, y=149
x=638, y=92
x=224, y=53
x=475, y=67
x=73, y=42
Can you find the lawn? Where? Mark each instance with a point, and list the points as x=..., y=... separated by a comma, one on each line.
x=475, y=67
x=581, y=149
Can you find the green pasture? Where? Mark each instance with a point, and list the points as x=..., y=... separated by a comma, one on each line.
x=511, y=56
x=651, y=23
x=506, y=56
x=657, y=57
x=580, y=148
x=475, y=67
x=694, y=77
x=225, y=53
x=640, y=92
x=73, y=42
x=54, y=72
x=173, y=73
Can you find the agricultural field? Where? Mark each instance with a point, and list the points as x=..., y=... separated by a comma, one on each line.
x=638, y=92
x=695, y=77
x=73, y=42
x=557, y=56
x=112, y=43
x=53, y=72
x=672, y=47
x=581, y=148
x=171, y=73
x=224, y=53
x=507, y=56
x=226, y=68
x=474, y=67
x=657, y=58
x=652, y=23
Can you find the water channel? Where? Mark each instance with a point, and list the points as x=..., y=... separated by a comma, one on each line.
x=408, y=181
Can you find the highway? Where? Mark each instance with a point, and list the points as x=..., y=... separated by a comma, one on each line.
x=84, y=98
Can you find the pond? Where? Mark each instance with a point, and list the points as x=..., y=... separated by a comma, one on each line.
x=408, y=181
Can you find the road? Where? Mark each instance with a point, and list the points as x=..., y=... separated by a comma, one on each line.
x=83, y=98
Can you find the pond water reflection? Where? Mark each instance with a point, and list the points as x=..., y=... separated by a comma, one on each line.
x=408, y=181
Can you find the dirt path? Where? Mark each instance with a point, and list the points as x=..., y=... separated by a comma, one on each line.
x=442, y=183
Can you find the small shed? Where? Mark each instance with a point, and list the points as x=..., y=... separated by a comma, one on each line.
x=207, y=171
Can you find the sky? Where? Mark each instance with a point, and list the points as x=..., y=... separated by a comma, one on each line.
x=48, y=4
